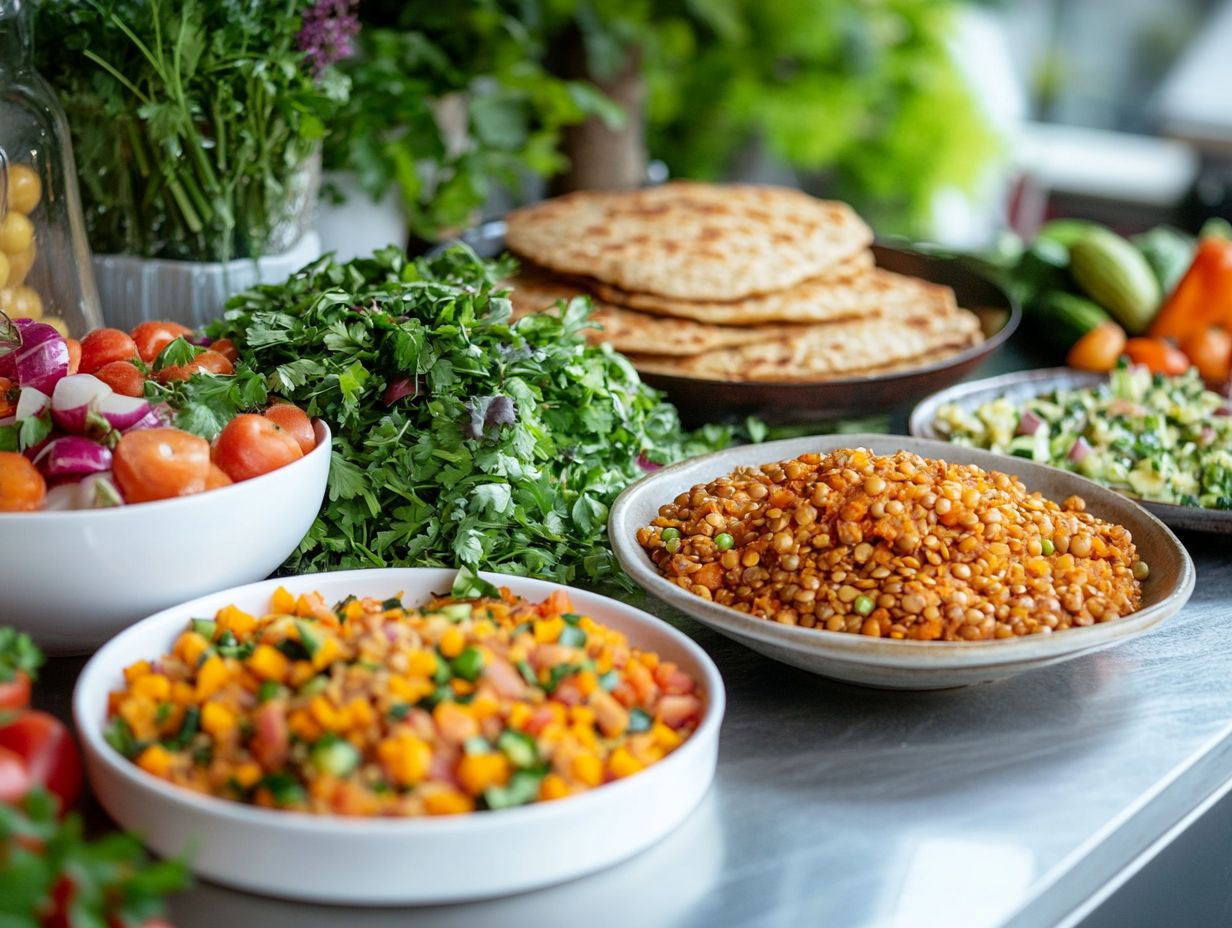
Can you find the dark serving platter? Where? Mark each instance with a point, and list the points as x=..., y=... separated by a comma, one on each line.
x=713, y=400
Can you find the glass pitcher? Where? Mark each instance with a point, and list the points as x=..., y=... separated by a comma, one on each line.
x=45, y=270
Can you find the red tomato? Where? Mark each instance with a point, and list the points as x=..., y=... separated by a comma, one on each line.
x=226, y=348
x=209, y=362
x=296, y=422
x=252, y=445
x=15, y=693
x=123, y=377
x=74, y=355
x=9, y=393
x=152, y=337
x=15, y=778
x=22, y=488
x=50, y=755
x=103, y=346
x=155, y=464
x=216, y=478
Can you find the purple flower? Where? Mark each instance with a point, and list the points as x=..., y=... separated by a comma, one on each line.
x=326, y=33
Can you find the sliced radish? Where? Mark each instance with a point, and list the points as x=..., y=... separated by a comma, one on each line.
x=75, y=397
x=63, y=497
x=72, y=456
x=157, y=416
x=31, y=402
x=98, y=491
x=123, y=412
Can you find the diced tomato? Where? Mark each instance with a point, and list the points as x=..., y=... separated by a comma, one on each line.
x=539, y=718
x=272, y=739
x=672, y=679
x=567, y=693
x=504, y=678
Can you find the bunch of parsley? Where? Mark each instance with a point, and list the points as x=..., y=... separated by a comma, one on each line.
x=459, y=437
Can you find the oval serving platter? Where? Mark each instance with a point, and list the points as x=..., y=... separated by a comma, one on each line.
x=1021, y=386
x=702, y=400
x=906, y=665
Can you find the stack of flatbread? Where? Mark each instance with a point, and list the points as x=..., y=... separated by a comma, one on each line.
x=732, y=282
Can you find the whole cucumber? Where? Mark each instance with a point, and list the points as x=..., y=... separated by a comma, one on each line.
x=1065, y=317
x=1116, y=275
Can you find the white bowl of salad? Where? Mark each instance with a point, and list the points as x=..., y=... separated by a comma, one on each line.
x=137, y=470
x=1165, y=441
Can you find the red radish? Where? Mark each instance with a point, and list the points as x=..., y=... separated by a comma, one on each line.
x=72, y=456
x=42, y=358
x=123, y=412
x=1079, y=451
x=74, y=399
x=98, y=491
x=1029, y=423
x=157, y=416
x=31, y=402
x=62, y=498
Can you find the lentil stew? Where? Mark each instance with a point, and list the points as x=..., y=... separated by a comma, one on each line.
x=895, y=546
x=371, y=708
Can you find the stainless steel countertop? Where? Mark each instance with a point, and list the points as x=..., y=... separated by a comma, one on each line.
x=998, y=806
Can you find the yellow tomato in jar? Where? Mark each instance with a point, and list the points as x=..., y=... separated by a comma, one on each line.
x=21, y=303
x=5, y=270
x=19, y=265
x=16, y=234
x=25, y=188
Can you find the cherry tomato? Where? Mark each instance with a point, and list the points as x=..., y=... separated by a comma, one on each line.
x=9, y=394
x=103, y=346
x=296, y=422
x=22, y=488
x=252, y=445
x=1211, y=353
x=15, y=779
x=74, y=355
x=155, y=464
x=47, y=748
x=210, y=362
x=15, y=693
x=25, y=188
x=226, y=348
x=1160, y=356
x=123, y=377
x=1099, y=349
x=152, y=337
x=217, y=478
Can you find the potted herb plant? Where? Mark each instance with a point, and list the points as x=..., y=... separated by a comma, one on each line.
x=197, y=127
x=449, y=104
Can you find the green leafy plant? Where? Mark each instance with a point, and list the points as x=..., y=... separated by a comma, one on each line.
x=459, y=437
x=450, y=101
x=193, y=123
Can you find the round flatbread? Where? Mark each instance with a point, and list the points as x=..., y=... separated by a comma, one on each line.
x=533, y=291
x=689, y=240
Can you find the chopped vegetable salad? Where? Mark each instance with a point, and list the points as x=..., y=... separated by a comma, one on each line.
x=1160, y=438
x=479, y=700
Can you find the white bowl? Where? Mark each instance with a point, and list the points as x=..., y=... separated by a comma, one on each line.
x=73, y=579
x=886, y=663
x=390, y=861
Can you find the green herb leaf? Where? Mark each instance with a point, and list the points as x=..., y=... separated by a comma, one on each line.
x=178, y=352
x=469, y=585
x=18, y=652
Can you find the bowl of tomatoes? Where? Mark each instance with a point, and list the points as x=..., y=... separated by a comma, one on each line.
x=139, y=469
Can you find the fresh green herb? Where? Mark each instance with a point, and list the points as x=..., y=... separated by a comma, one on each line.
x=639, y=720
x=340, y=606
x=205, y=402
x=315, y=686
x=33, y=430
x=409, y=483
x=163, y=712
x=443, y=674
x=113, y=880
x=457, y=612
x=270, y=690
x=178, y=352
x=399, y=711
x=229, y=646
x=284, y=789
x=468, y=665
x=188, y=730
x=18, y=654
x=392, y=603
x=120, y=736
x=469, y=585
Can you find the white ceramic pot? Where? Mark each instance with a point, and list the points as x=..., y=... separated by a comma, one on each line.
x=358, y=225
x=133, y=289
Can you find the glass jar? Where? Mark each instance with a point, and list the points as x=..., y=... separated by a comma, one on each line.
x=45, y=270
